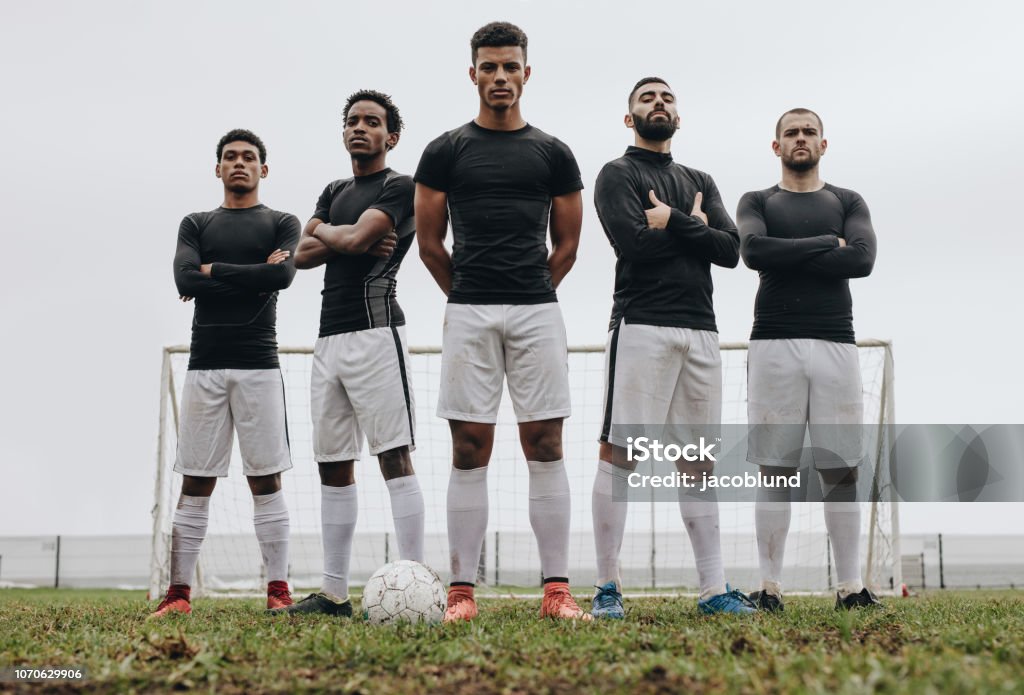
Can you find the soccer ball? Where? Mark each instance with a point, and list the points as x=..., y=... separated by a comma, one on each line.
x=404, y=591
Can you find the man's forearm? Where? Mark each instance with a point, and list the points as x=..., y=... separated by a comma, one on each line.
x=439, y=263
x=560, y=262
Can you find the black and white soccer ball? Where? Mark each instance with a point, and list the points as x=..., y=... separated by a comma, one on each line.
x=404, y=591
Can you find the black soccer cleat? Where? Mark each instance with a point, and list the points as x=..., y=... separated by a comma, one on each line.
x=316, y=604
x=863, y=599
x=769, y=603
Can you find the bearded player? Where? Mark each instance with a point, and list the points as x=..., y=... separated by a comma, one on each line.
x=505, y=184
x=233, y=261
x=806, y=238
x=667, y=225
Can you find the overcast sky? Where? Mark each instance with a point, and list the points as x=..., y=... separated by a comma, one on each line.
x=111, y=112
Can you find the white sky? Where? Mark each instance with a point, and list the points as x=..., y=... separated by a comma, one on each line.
x=111, y=111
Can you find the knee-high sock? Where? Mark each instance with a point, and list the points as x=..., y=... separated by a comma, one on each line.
x=609, y=522
x=772, y=514
x=270, y=518
x=550, y=511
x=842, y=519
x=191, y=518
x=407, y=511
x=700, y=516
x=467, y=521
x=339, y=508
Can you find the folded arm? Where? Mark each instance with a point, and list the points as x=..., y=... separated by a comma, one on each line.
x=762, y=252
x=857, y=258
x=188, y=275
x=620, y=207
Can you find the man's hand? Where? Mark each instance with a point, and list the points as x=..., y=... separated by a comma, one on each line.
x=657, y=217
x=698, y=200
x=385, y=246
x=206, y=269
x=842, y=242
x=185, y=299
x=278, y=256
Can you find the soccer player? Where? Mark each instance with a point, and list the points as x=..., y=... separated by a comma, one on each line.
x=233, y=261
x=806, y=238
x=667, y=225
x=361, y=230
x=504, y=183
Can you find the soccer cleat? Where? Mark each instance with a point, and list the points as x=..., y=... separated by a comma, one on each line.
x=732, y=601
x=862, y=599
x=769, y=603
x=177, y=600
x=461, y=604
x=607, y=602
x=558, y=603
x=278, y=595
x=315, y=604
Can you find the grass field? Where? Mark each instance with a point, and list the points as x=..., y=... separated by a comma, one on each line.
x=971, y=642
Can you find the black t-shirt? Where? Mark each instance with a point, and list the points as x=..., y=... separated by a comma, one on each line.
x=234, y=324
x=792, y=240
x=663, y=276
x=360, y=291
x=499, y=186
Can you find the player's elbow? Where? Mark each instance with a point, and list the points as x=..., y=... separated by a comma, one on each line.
x=863, y=267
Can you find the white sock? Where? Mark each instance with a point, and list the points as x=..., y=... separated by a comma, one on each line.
x=700, y=516
x=609, y=522
x=842, y=519
x=191, y=518
x=772, y=514
x=339, y=508
x=467, y=521
x=407, y=511
x=550, y=507
x=270, y=517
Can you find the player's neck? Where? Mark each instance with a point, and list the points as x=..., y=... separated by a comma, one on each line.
x=801, y=181
x=366, y=167
x=249, y=199
x=659, y=146
x=503, y=119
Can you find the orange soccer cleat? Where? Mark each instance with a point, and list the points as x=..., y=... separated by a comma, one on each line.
x=278, y=595
x=558, y=603
x=461, y=604
x=177, y=600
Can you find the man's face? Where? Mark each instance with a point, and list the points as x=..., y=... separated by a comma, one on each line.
x=800, y=144
x=653, y=112
x=366, y=130
x=499, y=75
x=240, y=167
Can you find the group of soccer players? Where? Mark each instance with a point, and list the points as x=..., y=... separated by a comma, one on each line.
x=506, y=188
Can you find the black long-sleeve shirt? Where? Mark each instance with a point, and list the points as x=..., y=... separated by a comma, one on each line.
x=234, y=325
x=663, y=276
x=792, y=240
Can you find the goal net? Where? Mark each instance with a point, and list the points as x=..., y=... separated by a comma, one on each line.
x=656, y=553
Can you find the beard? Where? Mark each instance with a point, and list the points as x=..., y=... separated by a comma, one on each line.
x=656, y=131
x=801, y=165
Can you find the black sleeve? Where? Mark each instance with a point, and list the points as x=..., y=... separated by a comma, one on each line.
x=435, y=165
x=396, y=199
x=565, y=172
x=857, y=258
x=323, y=204
x=620, y=208
x=188, y=278
x=762, y=252
x=717, y=241
x=265, y=277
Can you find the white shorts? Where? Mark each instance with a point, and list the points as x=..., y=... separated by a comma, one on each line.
x=809, y=385
x=523, y=342
x=361, y=384
x=215, y=403
x=661, y=382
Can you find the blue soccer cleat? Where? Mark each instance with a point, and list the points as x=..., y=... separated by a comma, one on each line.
x=607, y=603
x=732, y=601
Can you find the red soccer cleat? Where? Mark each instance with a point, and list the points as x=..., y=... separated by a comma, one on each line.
x=177, y=600
x=558, y=603
x=278, y=595
x=461, y=604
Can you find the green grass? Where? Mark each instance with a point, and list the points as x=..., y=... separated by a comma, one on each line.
x=969, y=642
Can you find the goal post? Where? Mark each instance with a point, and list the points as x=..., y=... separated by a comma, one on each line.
x=656, y=553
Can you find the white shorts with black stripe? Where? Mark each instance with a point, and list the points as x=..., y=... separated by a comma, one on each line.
x=804, y=386
x=361, y=385
x=661, y=382
x=215, y=404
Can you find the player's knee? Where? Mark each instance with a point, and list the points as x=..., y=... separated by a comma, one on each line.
x=337, y=473
x=839, y=476
x=195, y=486
x=264, y=484
x=542, y=442
x=395, y=463
x=468, y=453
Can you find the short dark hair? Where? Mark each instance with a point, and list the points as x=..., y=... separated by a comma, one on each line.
x=395, y=122
x=243, y=135
x=641, y=83
x=497, y=34
x=800, y=112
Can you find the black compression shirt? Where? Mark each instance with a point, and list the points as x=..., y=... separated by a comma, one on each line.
x=360, y=291
x=791, y=239
x=234, y=324
x=499, y=186
x=663, y=276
